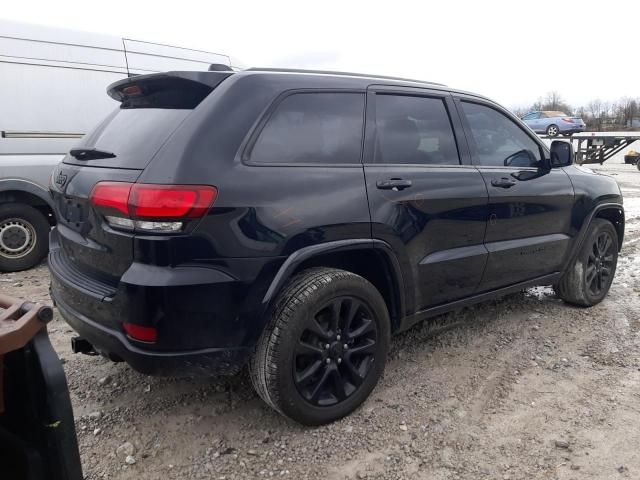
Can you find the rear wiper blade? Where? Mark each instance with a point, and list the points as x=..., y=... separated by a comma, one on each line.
x=90, y=154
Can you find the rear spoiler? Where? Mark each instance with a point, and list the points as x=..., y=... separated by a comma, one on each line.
x=166, y=90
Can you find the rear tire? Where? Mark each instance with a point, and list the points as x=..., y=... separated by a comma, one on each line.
x=553, y=130
x=589, y=278
x=24, y=237
x=324, y=347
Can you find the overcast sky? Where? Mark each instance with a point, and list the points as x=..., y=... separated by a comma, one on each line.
x=512, y=51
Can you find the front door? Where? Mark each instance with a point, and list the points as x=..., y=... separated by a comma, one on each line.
x=528, y=234
x=425, y=198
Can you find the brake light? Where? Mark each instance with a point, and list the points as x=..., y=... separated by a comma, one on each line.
x=151, y=207
x=568, y=120
x=112, y=196
x=140, y=333
x=132, y=90
x=176, y=201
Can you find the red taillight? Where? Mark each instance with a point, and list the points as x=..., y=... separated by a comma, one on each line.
x=170, y=201
x=151, y=207
x=568, y=120
x=112, y=196
x=140, y=333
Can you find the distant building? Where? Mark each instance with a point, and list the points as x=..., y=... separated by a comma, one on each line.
x=634, y=122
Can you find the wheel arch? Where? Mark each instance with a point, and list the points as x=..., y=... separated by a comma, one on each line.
x=612, y=212
x=371, y=259
x=616, y=216
x=28, y=193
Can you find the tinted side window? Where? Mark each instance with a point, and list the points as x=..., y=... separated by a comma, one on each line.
x=531, y=116
x=313, y=128
x=414, y=130
x=500, y=142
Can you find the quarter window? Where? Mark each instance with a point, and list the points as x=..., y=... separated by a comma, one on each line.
x=413, y=130
x=500, y=142
x=313, y=128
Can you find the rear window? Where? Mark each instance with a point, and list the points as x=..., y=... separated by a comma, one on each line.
x=133, y=135
x=319, y=127
x=152, y=107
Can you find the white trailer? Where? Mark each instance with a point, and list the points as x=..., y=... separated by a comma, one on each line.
x=52, y=91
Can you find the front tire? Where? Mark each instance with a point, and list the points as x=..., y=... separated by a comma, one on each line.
x=589, y=278
x=553, y=130
x=24, y=237
x=324, y=347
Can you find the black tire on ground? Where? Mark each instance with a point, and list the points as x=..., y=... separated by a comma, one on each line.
x=553, y=130
x=588, y=279
x=638, y=165
x=24, y=237
x=324, y=346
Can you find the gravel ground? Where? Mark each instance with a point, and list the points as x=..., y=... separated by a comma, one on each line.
x=520, y=388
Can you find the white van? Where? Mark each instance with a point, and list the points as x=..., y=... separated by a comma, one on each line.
x=52, y=91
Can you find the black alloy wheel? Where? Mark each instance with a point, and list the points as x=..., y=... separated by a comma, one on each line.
x=600, y=263
x=335, y=352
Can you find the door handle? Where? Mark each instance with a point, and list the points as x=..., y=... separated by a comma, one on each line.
x=503, y=182
x=395, y=184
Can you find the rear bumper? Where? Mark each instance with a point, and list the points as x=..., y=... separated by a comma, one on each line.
x=207, y=317
x=208, y=361
x=572, y=129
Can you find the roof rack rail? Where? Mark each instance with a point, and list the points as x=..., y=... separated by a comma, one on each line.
x=331, y=72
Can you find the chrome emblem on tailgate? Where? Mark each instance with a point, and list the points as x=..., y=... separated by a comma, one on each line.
x=61, y=179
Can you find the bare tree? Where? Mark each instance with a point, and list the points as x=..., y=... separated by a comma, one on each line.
x=552, y=101
x=539, y=105
x=597, y=114
x=520, y=111
x=605, y=114
x=626, y=111
x=595, y=111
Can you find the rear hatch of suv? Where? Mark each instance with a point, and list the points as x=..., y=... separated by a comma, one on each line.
x=99, y=207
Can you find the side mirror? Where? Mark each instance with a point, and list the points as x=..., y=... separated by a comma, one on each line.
x=561, y=154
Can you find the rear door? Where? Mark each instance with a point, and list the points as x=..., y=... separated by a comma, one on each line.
x=530, y=204
x=425, y=198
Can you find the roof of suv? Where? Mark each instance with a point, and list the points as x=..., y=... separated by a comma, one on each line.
x=365, y=78
x=308, y=79
x=340, y=74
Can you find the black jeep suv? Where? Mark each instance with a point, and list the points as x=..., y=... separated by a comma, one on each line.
x=294, y=220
